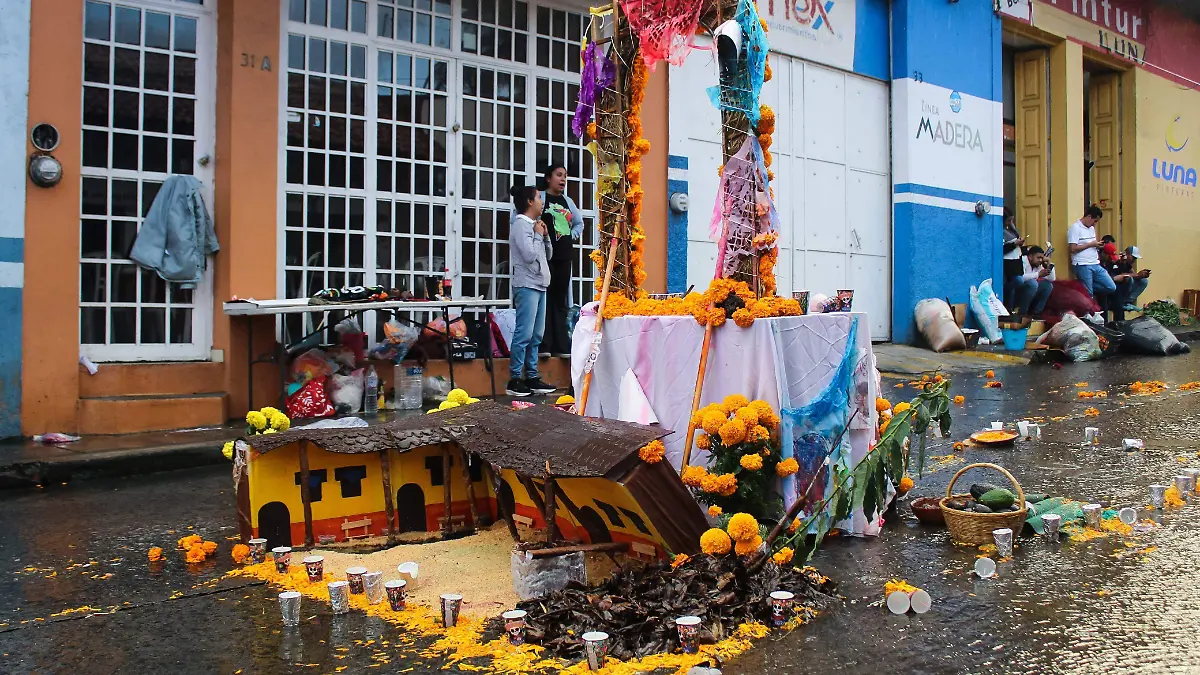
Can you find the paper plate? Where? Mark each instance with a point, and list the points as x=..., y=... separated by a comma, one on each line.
x=991, y=437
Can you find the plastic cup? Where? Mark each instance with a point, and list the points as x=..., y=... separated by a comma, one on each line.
x=997, y=426
x=1128, y=515
x=898, y=602
x=1091, y=436
x=1131, y=444
x=920, y=601
x=985, y=568
x=355, y=576
x=409, y=571
x=258, y=550
x=845, y=300
x=1053, y=523
x=373, y=584
x=1035, y=431
x=1091, y=515
x=1193, y=474
x=595, y=645
x=339, y=596
x=689, y=633
x=1004, y=542
x=397, y=594
x=451, y=603
x=1183, y=484
x=1023, y=429
x=514, y=625
x=802, y=298
x=315, y=566
x=282, y=555
x=781, y=601
x=1158, y=496
x=289, y=607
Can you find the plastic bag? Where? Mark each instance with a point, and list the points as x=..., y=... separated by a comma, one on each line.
x=936, y=323
x=348, y=325
x=313, y=364
x=1074, y=337
x=346, y=391
x=398, y=339
x=310, y=401
x=987, y=309
x=436, y=388
x=1145, y=335
x=535, y=577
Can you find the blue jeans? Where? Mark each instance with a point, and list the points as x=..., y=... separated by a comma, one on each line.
x=1095, y=279
x=530, y=306
x=1129, y=290
x=1031, y=295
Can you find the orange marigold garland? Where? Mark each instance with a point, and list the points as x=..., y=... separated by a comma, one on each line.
x=652, y=452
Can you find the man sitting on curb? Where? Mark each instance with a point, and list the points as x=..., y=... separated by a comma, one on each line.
x=1130, y=282
x=1035, y=283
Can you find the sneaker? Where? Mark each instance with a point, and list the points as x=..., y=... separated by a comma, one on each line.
x=538, y=387
x=561, y=355
x=518, y=388
x=1132, y=308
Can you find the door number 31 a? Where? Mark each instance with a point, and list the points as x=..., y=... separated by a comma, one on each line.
x=254, y=61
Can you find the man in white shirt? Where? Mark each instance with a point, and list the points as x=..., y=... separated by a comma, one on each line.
x=1036, y=282
x=1085, y=253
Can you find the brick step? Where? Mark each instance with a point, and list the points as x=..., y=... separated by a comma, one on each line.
x=130, y=414
x=152, y=379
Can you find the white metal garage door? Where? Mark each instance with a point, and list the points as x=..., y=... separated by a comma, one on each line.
x=832, y=182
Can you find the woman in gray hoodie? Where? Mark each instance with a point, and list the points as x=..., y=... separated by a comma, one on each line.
x=530, y=251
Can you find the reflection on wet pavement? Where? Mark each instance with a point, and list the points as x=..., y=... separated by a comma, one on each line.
x=1091, y=607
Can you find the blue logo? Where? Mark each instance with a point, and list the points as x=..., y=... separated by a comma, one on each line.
x=955, y=101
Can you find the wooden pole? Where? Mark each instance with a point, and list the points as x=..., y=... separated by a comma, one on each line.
x=609, y=547
x=552, y=533
x=446, y=524
x=500, y=508
x=696, y=393
x=389, y=507
x=305, y=494
x=472, y=512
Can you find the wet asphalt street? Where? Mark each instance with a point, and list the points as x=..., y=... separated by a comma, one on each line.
x=1069, y=608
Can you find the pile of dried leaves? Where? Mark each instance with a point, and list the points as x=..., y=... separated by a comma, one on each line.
x=638, y=606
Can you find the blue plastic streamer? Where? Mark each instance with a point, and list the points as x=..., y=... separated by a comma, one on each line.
x=742, y=93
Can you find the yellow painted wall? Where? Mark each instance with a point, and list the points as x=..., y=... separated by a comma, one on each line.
x=1168, y=214
x=273, y=479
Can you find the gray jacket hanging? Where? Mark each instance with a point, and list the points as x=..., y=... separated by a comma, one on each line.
x=177, y=235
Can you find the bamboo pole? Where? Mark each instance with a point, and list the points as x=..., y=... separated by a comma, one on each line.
x=447, y=527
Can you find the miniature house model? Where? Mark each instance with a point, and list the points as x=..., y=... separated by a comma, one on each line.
x=479, y=463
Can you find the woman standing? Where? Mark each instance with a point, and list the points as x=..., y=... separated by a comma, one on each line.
x=565, y=224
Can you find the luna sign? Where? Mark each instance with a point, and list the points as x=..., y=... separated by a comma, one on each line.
x=1173, y=175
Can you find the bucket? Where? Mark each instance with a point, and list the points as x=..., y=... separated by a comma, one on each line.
x=1015, y=338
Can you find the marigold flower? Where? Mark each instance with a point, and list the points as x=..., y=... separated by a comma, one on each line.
x=906, y=484
x=714, y=511
x=155, y=554
x=715, y=317
x=734, y=401
x=769, y=420
x=747, y=547
x=195, y=554
x=679, y=559
x=1091, y=412
x=742, y=527
x=758, y=433
x=762, y=407
x=751, y=462
x=795, y=525
x=882, y=404
x=458, y=396
x=240, y=553
x=703, y=441
x=652, y=452
x=732, y=432
x=693, y=475
x=723, y=485
x=227, y=450
x=447, y=405
x=787, y=467
x=715, y=542
x=747, y=414
x=210, y=547
x=743, y=318
x=565, y=399
x=994, y=384
x=990, y=374
x=189, y=541
x=960, y=399
x=280, y=422
x=901, y=407
x=783, y=556
x=256, y=420
x=713, y=421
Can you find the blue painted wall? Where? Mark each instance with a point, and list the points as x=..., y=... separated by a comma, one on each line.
x=946, y=70
x=871, y=39
x=14, y=106
x=677, y=225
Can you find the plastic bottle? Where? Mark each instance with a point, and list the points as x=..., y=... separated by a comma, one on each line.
x=410, y=382
x=371, y=395
x=447, y=285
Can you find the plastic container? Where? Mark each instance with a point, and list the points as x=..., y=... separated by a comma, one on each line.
x=409, y=382
x=371, y=392
x=1015, y=338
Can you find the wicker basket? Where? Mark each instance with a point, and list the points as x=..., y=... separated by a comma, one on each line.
x=976, y=528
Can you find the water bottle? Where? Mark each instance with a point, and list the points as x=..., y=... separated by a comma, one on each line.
x=409, y=387
x=371, y=395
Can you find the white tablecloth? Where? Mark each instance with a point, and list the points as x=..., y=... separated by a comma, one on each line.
x=788, y=360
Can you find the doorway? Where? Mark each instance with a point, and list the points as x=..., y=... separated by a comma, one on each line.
x=410, y=506
x=275, y=524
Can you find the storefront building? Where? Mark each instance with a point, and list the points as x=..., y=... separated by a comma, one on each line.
x=373, y=142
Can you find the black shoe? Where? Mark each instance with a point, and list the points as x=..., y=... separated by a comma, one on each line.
x=518, y=388
x=538, y=387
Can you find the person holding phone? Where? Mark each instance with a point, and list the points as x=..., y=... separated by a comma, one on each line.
x=1085, y=247
x=530, y=250
x=1036, y=282
x=1013, y=243
x=1130, y=281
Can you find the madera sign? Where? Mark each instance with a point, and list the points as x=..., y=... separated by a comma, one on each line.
x=951, y=133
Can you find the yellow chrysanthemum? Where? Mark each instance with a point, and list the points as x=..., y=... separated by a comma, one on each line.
x=270, y=412
x=747, y=415
x=565, y=399
x=269, y=431
x=783, y=556
x=732, y=432
x=758, y=433
x=734, y=401
x=457, y=396
x=280, y=422
x=787, y=467
x=714, y=511
x=703, y=441
x=901, y=407
x=256, y=419
x=693, y=475
x=713, y=421
x=447, y=404
x=652, y=452
x=748, y=547
x=742, y=527
x=227, y=450
x=715, y=542
x=751, y=462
